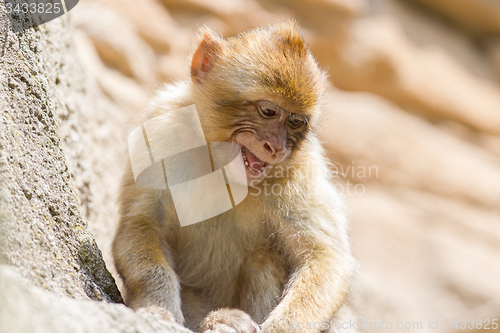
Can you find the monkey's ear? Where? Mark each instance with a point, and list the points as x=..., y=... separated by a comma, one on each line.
x=205, y=55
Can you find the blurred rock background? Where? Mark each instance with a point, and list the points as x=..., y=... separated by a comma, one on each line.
x=412, y=127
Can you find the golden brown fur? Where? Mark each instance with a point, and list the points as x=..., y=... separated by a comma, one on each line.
x=276, y=257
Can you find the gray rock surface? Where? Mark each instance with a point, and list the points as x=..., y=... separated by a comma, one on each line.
x=44, y=234
x=53, y=118
x=30, y=309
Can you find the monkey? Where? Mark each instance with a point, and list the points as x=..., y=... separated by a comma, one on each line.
x=278, y=260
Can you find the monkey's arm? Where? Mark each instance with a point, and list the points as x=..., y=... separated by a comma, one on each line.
x=319, y=285
x=150, y=281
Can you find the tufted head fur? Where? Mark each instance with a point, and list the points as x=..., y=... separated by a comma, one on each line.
x=273, y=63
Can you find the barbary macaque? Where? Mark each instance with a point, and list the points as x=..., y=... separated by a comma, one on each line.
x=280, y=259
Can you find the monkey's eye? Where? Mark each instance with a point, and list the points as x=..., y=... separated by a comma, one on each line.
x=266, y=112
x=295, y=122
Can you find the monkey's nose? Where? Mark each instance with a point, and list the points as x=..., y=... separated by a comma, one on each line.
x=277, y=152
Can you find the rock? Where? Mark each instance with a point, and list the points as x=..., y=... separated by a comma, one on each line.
x=320, y=10
x=153, y=22
x=117, y=41
x=123, y=90
x=490, y=142
x=24, y=308
x=493, y=47
x=60, y=141
x=94, y=134
x=173, y=68
x=478, y=16
x=426, y=31
x=378, y=58
x=44, y=235
x=401, y=149
x=425, y=226
x=424, y=257
x=239, y=15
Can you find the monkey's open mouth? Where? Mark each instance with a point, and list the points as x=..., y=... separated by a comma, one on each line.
x=252, y=162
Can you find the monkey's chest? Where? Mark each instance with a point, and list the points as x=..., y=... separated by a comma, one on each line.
x=213, y=253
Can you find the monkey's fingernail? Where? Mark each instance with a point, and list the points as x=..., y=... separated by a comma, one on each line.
x=246, y=163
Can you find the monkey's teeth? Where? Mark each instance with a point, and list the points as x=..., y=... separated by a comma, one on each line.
x=255, y=171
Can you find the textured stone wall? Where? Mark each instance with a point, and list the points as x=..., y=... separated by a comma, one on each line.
x=56, y=130
x=44, y=234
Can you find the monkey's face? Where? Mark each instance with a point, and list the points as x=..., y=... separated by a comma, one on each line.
x=262, y=90
x=266, y=134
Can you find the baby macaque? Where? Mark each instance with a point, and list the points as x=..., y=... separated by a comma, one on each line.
x=278, y=261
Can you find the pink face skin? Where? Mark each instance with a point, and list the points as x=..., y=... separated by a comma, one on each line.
x=267, y=143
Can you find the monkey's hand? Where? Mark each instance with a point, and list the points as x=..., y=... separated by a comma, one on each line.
x=228, y=321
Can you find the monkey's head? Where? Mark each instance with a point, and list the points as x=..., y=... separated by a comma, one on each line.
x=261, y=89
